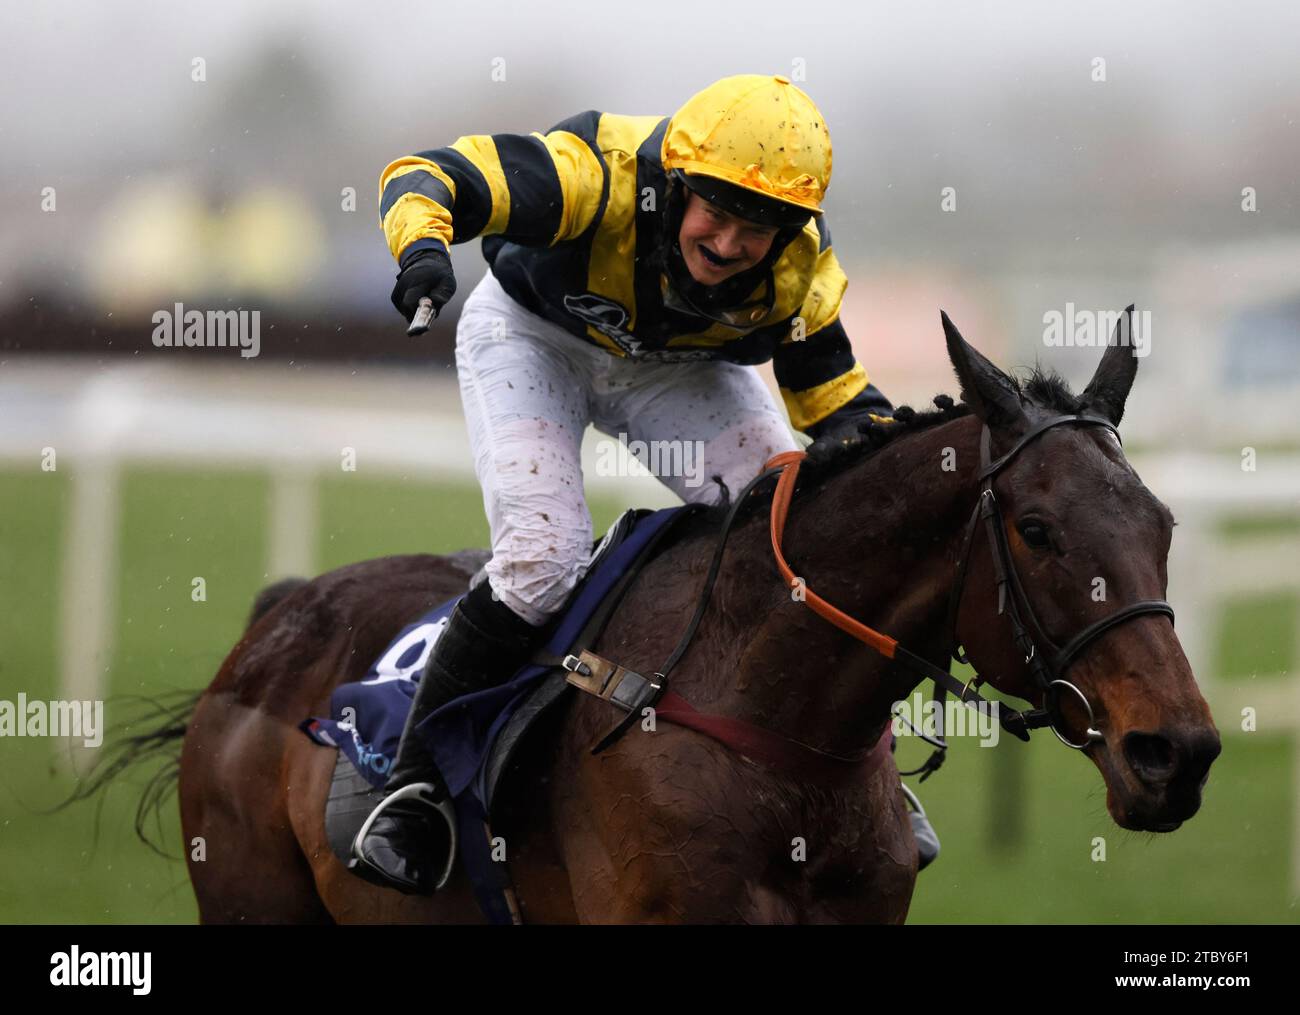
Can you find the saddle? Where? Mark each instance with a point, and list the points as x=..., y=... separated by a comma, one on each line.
x=477, y=740
x=473, y=738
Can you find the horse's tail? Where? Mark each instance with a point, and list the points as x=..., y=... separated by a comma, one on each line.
x=162, y=724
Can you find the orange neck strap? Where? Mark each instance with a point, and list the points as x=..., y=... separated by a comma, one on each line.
x=789, y=462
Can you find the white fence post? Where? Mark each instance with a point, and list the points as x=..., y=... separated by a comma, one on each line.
x=294, y=523
x=88, y=593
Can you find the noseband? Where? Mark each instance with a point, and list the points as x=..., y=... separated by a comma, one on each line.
x=1046, y=667
x=1047, y=662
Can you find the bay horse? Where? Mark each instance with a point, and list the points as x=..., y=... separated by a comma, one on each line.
x=672, y=826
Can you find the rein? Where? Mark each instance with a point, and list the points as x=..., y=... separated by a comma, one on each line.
x=1048, y=673
x=633, y=692
x=608, y=680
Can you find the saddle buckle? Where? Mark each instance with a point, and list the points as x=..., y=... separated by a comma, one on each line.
x=575, y=665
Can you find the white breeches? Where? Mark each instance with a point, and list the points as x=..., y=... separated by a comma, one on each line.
x=530, y=388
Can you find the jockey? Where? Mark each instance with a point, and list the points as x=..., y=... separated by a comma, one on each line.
x=640, y=266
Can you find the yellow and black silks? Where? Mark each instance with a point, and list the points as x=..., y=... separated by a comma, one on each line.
x=571, y=222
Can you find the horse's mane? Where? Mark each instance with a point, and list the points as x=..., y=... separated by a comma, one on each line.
x=1044, y=388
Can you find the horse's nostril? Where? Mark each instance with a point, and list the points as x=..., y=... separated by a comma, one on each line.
x=1202, y=749
x=1151, y=756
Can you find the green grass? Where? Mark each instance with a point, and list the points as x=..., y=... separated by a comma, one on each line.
x=375, y=518
x=1007, y=856
x=1259, y=525
x=1028, y=857
x=1257, y=636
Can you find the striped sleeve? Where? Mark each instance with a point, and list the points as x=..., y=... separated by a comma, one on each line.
x=814, y=364
x=534, y=189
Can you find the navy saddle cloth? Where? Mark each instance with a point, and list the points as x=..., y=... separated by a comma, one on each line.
x=366, y=717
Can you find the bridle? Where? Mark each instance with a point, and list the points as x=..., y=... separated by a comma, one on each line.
x=1048, y=667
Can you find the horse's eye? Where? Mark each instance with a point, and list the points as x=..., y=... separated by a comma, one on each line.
x=1035, y=534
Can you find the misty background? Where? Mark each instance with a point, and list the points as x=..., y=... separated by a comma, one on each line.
x=227, y=191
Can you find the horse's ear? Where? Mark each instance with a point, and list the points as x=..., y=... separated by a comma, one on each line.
x=1108, y=390
x=989, y=392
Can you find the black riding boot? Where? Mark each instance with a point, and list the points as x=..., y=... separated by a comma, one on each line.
x=409, y=841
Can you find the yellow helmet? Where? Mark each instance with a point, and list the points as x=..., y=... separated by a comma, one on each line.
x=757, y=132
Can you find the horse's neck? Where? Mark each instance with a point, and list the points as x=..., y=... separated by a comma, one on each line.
x=879, y=542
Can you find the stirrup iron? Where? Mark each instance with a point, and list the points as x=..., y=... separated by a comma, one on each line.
x=424, y=794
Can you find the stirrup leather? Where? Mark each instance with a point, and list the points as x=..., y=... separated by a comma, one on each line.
x=422, y=793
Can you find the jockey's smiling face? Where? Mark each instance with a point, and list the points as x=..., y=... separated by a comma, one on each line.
x=716, y=244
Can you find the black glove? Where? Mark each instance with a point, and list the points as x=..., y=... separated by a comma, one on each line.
x=424, y=273
x=843, y=426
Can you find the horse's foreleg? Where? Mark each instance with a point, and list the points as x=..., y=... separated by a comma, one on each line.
x=641, y=846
